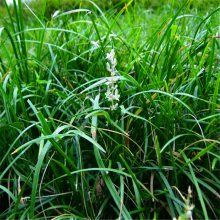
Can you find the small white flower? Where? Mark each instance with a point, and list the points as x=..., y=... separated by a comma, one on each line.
x=116, y=96
x=114, y=107
x=95, y=45
x=111, y=56
x=108, y=67
x=112, y=62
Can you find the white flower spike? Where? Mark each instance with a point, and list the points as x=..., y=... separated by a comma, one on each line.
x=112, y=93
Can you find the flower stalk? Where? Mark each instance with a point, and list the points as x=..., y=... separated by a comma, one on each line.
x=112, y=93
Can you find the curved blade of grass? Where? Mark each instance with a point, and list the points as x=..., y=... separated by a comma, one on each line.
x=7, y=191
x=35, y=183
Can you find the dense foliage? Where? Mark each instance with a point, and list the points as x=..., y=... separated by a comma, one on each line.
x=109, y=112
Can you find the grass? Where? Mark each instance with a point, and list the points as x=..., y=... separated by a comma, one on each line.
x=72, y=150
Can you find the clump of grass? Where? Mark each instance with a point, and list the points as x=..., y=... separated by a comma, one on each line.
x=67, y=152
